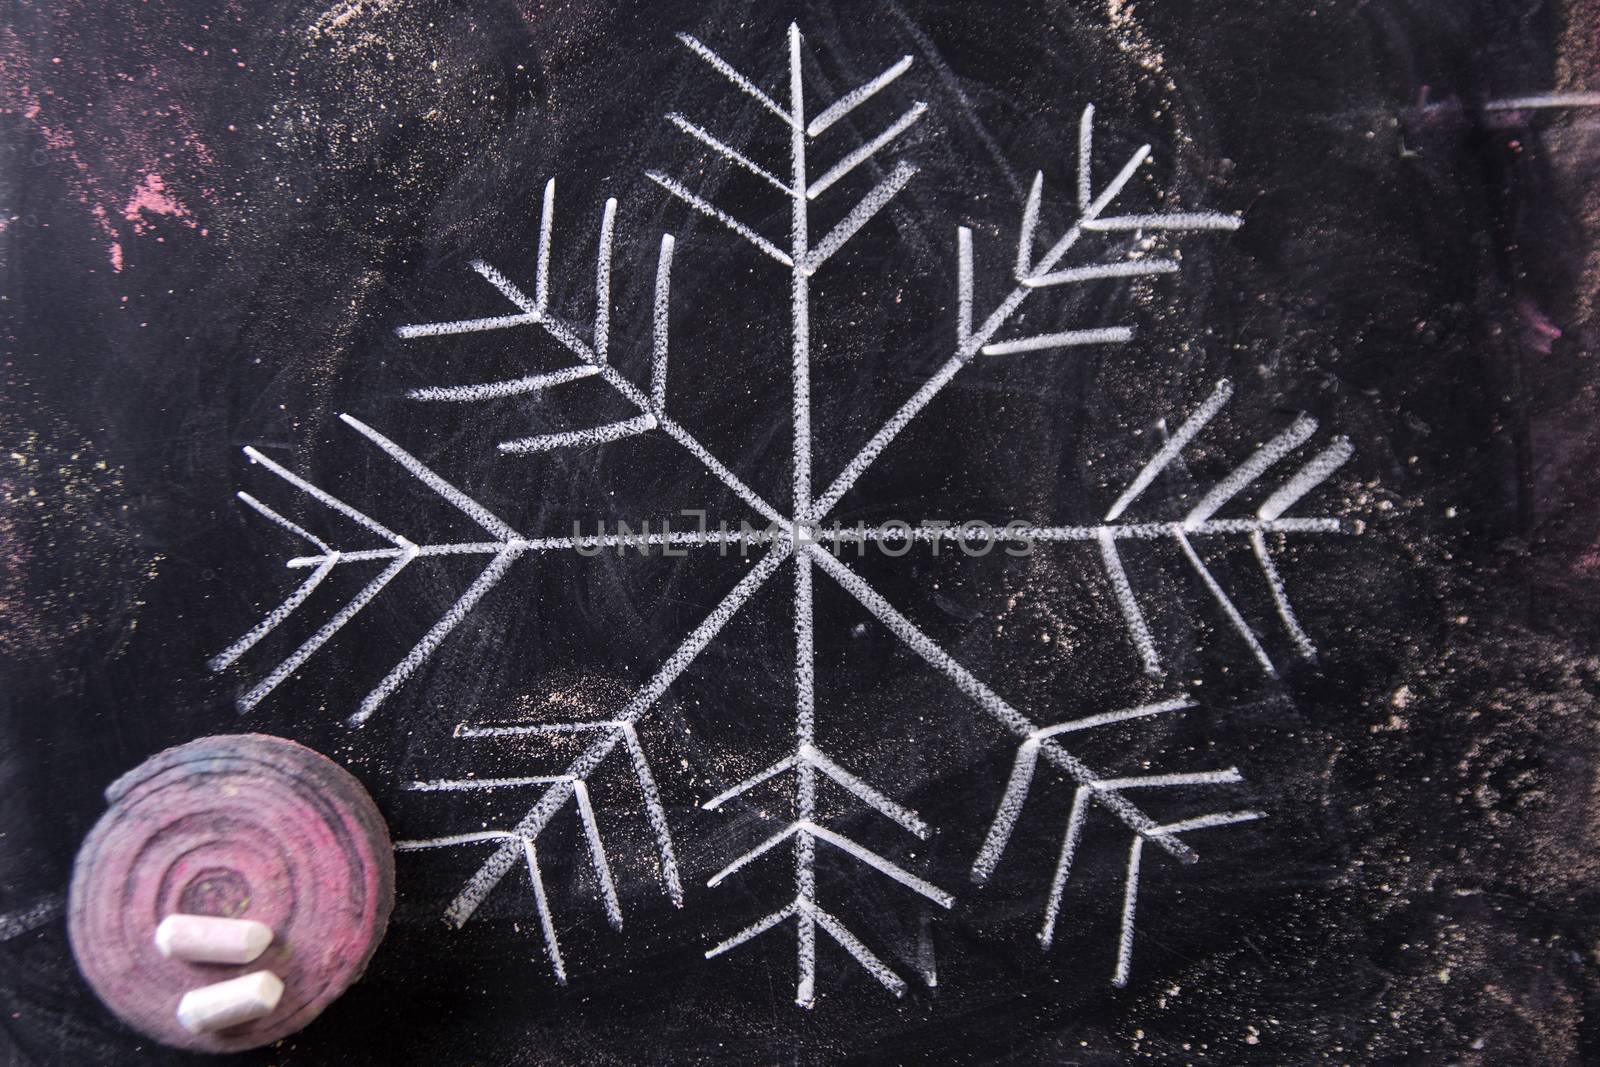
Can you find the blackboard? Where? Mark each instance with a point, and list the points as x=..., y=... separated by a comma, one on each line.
x=1351, y=286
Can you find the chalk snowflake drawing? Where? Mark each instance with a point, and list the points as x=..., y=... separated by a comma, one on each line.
x=799, y=536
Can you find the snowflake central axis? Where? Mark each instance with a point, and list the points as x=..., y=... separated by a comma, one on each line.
x=797, y=533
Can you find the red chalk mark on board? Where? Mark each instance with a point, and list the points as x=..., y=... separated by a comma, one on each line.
x=243, y=826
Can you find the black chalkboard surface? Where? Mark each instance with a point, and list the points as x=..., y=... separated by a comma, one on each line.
x=1044, y=532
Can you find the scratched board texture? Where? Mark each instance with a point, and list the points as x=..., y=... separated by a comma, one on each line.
x=213, y=218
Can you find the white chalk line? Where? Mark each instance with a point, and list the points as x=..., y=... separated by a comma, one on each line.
x=1128, y=604
x=1106, y=335
x=963, y=287
x=969, y=342
x=452, y=840
x=856, y=97
x=1227, y=776
x=676, y=539
x=274, y=517
x=602, y=282
x=597, y=855
x=591, y=828
x=508, y=550
x=869, y=796
x=1298, y=433
x=542, y=902
x=326, y=499
x=750, y=783
x=530, y=855
x=466, y=785
x=728, y=152
x=1203, y=822
x=1186, y=221
x=852, y=944
x=888, y=432
x=1173, y=447
x=475, y=511
x=800, y=358
x=806, y=827
x=709, y=210
x=1080, y=809
x=497, y=390
x=1085, y=158
x=1064, y=243
x=1130, y=899
x=972, y=342
x=724, y=68
x=1221, y=597
x=1108, y=718
x=495, y=867
x=1130, y=269
x=675, y=431
x=1318, y=470
x=659, y=321
x=458, y=326
x=1028, y=228
x=405, y=552
x=803, y=261
x=1009, y=810
x=746, y=858
x=508, y=290
x=755, y=929
x=868, y=206
x=655, y=814
x=805, y=786
x=866, y=151
x=1130, y=894
x=1069, y=849
x=809, y=754
x=591, y=435
x=1280, y=597
x=541, y=277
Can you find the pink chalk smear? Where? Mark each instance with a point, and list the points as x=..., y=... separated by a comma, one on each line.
x=151, y=196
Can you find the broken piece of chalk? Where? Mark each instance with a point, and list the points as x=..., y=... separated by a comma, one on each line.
x=209, y=939
x=224, y=1004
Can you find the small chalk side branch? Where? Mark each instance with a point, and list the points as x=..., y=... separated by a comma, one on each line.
x=644, y=409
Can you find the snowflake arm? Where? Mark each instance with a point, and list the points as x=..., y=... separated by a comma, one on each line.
x=1029, y=274
x=499, y=863
x=505, y=550
x=593, y=356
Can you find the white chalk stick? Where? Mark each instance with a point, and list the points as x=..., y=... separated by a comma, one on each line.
x=224, y=1004
x=209, y=939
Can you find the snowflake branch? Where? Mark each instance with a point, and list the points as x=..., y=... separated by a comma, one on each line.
x=855, y=98
x=1031, y=275
x=987, y=699
x=592, y=356
x=1200, y=518
x=489, y=875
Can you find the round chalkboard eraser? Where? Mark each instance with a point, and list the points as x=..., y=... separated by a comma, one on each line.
x=239, y=826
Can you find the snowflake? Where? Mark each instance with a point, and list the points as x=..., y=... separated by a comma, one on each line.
x=799, y=536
